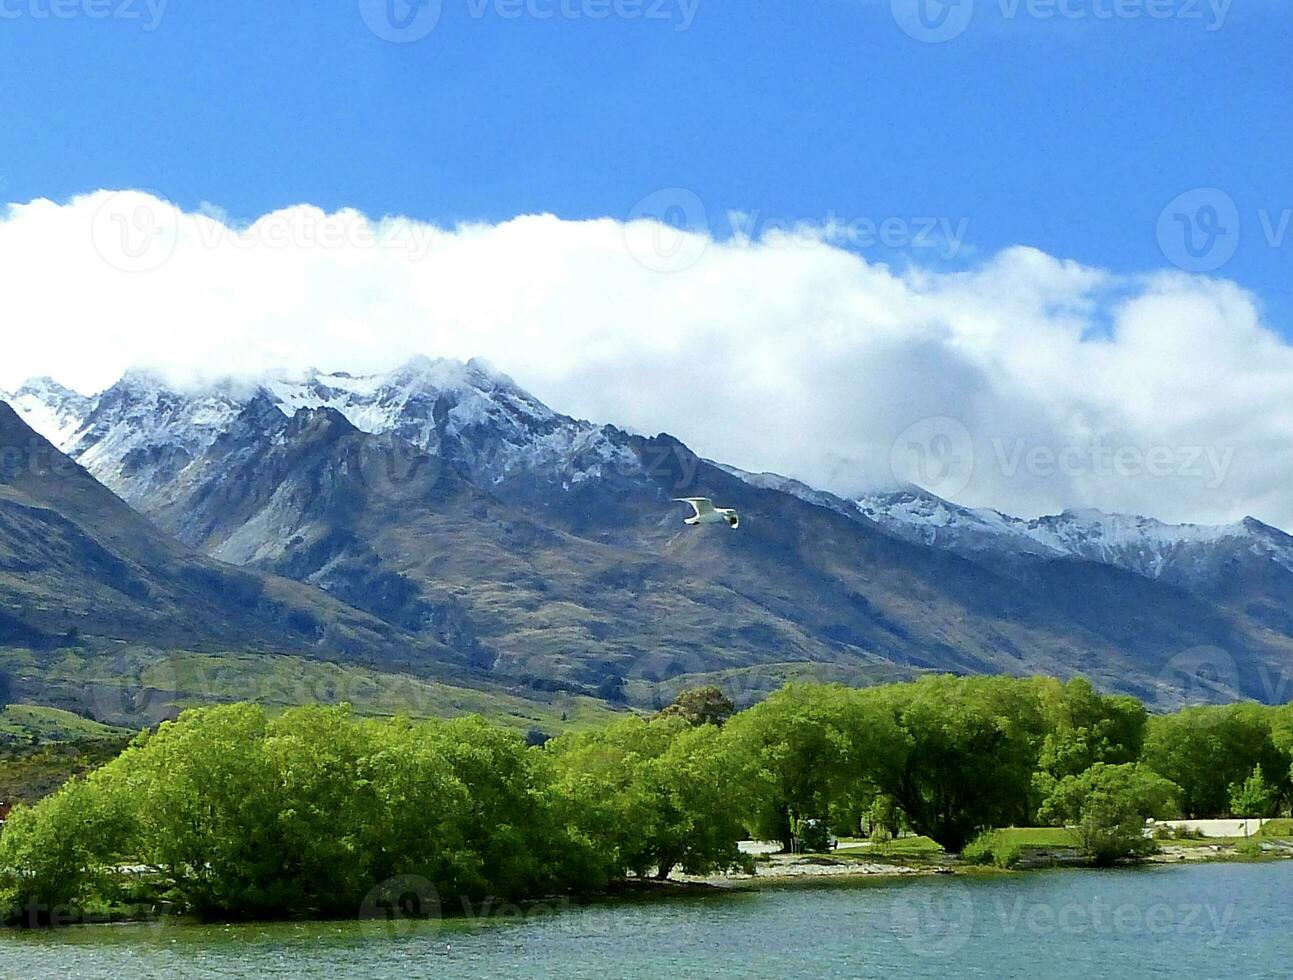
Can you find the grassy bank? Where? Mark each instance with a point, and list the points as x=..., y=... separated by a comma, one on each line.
x=136, y=687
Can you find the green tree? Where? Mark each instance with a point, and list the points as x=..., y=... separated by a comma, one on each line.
x=701, y=706
x=1109, y=805
x=1254, y=797
x=971, y=747
x=1083, y=727
x=206, y=801
x=412, y=808
x=652, y=795
x=688, y=792
x=517, y=848
x=1206, y=750
x=803, y=750
x=1282, y=739
x=885, y=818
x=56, y=853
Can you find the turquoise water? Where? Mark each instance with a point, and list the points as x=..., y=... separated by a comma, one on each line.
x=1179, y=922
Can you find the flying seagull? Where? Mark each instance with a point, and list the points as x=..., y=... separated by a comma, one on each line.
x=707, y=513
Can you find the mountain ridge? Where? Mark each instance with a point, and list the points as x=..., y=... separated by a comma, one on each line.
x=443, y=498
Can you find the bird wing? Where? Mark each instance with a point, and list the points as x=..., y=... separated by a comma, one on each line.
x=701, y=505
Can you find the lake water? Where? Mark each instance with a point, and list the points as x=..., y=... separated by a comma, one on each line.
x=1180, y=922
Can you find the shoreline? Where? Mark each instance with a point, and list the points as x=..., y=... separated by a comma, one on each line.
x=797, y=867
x=776, y=868
x=773, y=869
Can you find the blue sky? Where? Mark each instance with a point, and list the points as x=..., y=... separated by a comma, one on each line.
x=1057, y=127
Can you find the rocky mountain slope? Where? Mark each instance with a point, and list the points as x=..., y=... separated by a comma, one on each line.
x=450, y=504
x=77, y=563
x=1247, y=565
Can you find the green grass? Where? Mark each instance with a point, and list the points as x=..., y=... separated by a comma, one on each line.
x=42, y=747
x=31, y=723
x=1039, y=836
x=136, y=687
x=904, y=847
x=1008, y=847
x=748, y=685
x=286, y=681
x=1279, y=827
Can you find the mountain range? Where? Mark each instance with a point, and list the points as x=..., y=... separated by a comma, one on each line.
x=440, y=519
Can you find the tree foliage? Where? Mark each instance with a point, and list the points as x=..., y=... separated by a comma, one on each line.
x=701, y=706
x=968, y=751
x=1207, y=750
x=1109, y=805
x=804, y=752
x=654, y=794
x=1254, y=797
x=233, y=812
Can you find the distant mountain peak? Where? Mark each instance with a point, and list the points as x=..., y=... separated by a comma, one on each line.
x=142, y=431
x=1184, y=553
x=44, y=384
x=320, y=420
x=52, y=409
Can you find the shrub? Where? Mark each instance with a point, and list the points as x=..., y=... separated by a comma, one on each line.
x=1109, y=805
x=992, y=847
x=1249, y=847
x=1111, y=830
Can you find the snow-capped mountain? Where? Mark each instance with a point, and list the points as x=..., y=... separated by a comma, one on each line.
x=453, y=506
x=918, y=515
x=1189, y=555
x=52, y=410
x=77, y=562
x=140, y=434
x=467, y=413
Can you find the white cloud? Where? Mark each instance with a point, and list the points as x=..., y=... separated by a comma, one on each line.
x=1061, y=384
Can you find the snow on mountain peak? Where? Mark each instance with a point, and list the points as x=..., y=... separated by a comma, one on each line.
x=140, y=432
x=414, y=399
x=1144, y=545
x=54, y=411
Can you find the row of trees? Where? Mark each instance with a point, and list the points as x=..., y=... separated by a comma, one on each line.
x=949, y=757
x=230, y=812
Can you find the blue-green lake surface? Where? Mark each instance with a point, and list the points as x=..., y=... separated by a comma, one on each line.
x=1229, y=920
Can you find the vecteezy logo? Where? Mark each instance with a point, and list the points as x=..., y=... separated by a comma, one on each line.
x=934, y=920
x=400, y=906
x=668, y=230
x=935, y=453
x=1200, y=675
x=933, y=21
x=1198, y=231
x=134, y=231
x=401, y=21
x=664, y=675
x=138, y=691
